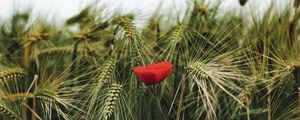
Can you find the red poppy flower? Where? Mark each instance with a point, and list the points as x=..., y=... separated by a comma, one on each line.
x=153, y=73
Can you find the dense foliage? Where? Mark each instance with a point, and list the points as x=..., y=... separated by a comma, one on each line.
x=226, y=67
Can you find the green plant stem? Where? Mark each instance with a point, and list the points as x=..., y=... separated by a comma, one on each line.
x=296, y=73
x=24, y=112
x=154, y=95
x=33, y=115
x=183, y=79
x=269, y=107
x=299, y=102
x=27, y=50
x=292, y=28
x=18, y=96
x=157, y=32
x=266, y=54
x=26, y=54
x=247, y=100
x=74, y=57
x=33, y=112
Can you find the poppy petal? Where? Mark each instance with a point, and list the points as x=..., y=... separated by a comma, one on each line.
x=162, y=70
x=161, y=74
x=145, y=75
x=154, y=73
x=148, y=77
x=160, y=65
x=138, y=71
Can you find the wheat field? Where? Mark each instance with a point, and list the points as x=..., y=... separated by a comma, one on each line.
x=201, y=67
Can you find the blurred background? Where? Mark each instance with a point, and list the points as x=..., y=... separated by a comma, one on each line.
x=59, y=10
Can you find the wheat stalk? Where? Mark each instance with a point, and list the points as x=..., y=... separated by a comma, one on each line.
x=137, y=57
x=65, y=51
x=111, y=100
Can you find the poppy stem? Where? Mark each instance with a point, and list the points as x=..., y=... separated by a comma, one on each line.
x=183, y=79
x=154, y=94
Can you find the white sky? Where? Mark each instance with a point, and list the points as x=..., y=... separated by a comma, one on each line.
x=59, y=10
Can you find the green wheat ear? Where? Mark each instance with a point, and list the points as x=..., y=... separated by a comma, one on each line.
x=210, y=77
x=178, y=34
x=127, y=24
x=8, y=113
x=199, y=69
x=12, y=73
x=106, y=72
x=201, y=9
x=111, y=100
x=46, y=95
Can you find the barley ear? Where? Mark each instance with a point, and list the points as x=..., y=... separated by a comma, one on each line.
x=46, y=95
x=111, y=100
x=12, y=73
x=8, y=113
x=178, y=34
x=106, y=72
x=199, y=69
x=128, y=26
